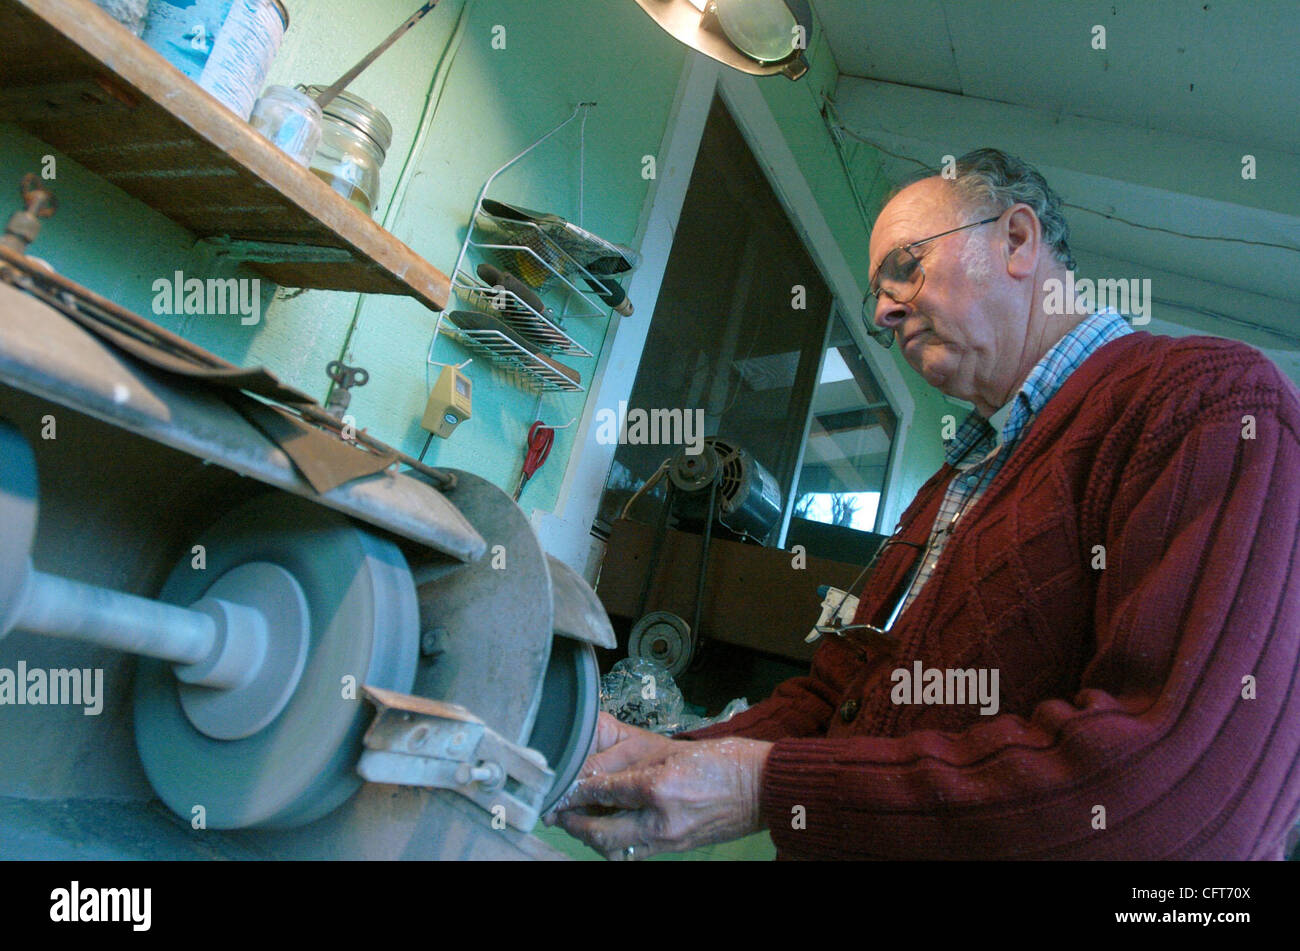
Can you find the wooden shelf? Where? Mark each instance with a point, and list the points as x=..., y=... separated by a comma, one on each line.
x=73, y=77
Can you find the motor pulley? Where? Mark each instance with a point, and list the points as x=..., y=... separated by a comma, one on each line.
x=664, y=638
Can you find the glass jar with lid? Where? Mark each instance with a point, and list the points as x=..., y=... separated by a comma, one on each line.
x=290, y=119
x=355, y=137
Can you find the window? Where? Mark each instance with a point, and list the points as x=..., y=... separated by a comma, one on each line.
x=847, y=453
x=738, y=329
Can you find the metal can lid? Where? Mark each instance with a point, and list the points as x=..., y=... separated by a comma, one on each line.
x=350, y=108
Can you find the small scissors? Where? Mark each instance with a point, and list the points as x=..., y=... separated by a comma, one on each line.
x=540, y=439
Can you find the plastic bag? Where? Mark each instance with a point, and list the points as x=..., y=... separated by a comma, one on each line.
x=642, y=693
x=690, y=722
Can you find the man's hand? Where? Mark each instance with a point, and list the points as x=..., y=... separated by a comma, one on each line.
x=619, y=745
x=616, y=746
x=667, y=796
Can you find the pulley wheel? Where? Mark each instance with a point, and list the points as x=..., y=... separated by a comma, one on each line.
x=664, y=638
x=694, y=473
x=363, y=628
x=566, y=723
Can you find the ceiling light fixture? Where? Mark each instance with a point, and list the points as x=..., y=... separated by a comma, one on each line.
x=759, y=37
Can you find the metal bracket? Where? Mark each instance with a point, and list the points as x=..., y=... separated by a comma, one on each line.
x=266, y=252
x=419, y=742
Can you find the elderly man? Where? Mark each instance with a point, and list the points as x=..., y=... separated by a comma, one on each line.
x=1114, y=538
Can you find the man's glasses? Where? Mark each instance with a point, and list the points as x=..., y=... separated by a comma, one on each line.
x=836, y=627
x=900, y=277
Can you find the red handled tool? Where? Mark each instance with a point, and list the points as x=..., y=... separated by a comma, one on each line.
x=540, y=439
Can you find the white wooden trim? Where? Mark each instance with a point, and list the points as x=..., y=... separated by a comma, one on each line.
x=566, y=533
x=791, y=499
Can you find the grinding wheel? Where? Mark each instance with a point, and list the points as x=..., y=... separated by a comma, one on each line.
x=566, y=723
x=363, y=629
x=18, y=515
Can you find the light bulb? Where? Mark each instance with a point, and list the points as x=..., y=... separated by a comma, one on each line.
x=761, y=29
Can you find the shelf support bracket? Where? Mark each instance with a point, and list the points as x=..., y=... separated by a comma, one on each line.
x=236, y=251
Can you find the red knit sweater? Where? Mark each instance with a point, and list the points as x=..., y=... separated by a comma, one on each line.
x=1126, y=727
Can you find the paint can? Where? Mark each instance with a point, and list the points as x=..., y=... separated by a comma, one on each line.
x=226, y=46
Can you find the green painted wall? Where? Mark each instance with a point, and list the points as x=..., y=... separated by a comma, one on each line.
x=496, y=102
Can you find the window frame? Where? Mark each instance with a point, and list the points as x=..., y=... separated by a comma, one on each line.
x=792, y=497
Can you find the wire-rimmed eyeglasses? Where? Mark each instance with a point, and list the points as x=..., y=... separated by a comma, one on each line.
x=900, y=277
x=838, y=629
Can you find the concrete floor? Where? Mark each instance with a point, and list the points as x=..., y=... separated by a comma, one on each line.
x=754, y=848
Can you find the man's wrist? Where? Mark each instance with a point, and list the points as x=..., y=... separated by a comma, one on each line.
x=757, y=764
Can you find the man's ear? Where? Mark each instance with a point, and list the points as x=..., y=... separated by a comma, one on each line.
x=1023, y=241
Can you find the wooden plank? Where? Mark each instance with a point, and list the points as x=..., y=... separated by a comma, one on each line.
x=754, y=596
x=76, y=79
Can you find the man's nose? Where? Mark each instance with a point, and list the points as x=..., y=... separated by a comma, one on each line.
x=889, y=313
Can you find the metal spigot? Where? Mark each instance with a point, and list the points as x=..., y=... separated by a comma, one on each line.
x=345, y=378
x=38, y=202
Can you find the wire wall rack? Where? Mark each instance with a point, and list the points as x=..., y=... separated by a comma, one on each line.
x=525, y=250
x=503, y=351
x=513, y=310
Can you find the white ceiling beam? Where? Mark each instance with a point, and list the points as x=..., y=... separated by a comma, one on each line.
x=1165, y=161
x=1157, y=182
x=1201, y=306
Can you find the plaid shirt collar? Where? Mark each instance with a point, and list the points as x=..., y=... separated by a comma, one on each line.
x=1048, y=375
